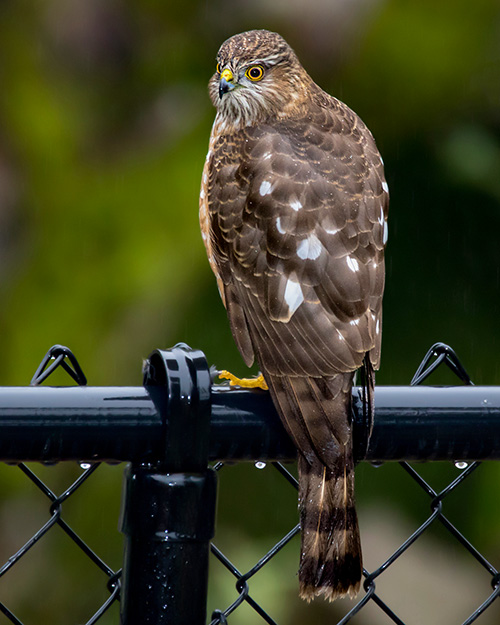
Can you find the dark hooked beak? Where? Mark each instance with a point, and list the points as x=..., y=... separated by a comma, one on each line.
x=226, y=82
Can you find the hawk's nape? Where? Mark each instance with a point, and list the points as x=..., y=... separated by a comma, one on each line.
x=293, y=211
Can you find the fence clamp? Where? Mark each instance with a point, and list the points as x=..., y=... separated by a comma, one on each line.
x=179, y=383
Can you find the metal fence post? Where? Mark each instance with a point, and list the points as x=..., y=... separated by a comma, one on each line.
x=168, y=511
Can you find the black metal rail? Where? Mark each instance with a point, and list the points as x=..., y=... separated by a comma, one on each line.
x=135, y=424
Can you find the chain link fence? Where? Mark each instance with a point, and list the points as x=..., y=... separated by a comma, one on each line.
x=60, y=357
x=168, y=504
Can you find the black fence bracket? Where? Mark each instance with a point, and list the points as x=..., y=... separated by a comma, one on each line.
x=168, y=510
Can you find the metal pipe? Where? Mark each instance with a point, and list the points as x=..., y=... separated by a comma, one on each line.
x=168, y=522
x=129, y=424
x=50, y=424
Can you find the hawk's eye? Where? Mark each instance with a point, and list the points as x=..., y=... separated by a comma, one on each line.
x=256, y=72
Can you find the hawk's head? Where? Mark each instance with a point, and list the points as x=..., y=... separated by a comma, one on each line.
x=258, y=76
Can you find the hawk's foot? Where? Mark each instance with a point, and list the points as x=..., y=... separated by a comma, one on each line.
x=257, y=382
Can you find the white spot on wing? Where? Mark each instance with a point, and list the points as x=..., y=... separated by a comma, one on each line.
x=309, y=248
x=386, y=233
x=385, y=186
x=266, y=156
x=381, y=216
x=293, y=295
x=296, y=205
x=377, y=326
x=265, y=188
x=354, y=322
x=202, y=194
x=332, y=230
x=352, y=263
x=279, y=227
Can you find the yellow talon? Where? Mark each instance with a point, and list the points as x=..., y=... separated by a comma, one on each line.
x=257, y=382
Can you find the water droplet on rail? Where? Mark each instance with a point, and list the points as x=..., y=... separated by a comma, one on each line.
x=260, y=465
x=461, y=465
x=85, y=465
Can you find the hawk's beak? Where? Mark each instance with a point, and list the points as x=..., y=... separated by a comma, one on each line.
x=226, y=82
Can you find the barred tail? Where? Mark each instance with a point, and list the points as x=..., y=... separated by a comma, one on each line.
x=317, y=414
x=330, y=563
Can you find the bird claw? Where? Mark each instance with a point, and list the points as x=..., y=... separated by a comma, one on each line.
x=257, y=382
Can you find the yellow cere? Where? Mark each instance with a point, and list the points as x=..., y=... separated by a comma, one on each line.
x=227, y=75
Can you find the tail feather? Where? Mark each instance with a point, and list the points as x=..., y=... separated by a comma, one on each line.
x=330, y=551
x=317, y=414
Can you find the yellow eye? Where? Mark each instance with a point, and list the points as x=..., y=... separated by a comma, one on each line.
x=256, y=72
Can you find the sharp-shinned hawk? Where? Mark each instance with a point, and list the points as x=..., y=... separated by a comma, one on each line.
x=293, y=211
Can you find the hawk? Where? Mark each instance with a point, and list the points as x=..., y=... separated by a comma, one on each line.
x=293, y=210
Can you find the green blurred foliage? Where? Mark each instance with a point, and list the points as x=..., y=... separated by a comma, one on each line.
x=104, y=125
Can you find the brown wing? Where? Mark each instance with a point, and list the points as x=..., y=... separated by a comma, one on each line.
x=298, y=214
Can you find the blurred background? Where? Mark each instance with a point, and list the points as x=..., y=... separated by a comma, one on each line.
x=104, y=126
